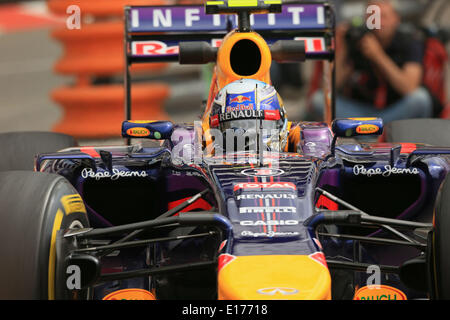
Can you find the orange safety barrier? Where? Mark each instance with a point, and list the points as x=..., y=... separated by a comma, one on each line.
x=94, y=51
x=98, y=111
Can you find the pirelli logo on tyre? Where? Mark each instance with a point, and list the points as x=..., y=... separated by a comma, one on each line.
x=73, y=203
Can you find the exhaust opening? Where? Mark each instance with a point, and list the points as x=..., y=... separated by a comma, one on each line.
x=245, y=58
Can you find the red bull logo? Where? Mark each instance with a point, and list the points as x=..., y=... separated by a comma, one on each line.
x=240, y=99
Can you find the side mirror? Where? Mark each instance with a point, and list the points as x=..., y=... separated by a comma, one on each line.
x=156, y=130
x=288, y=51
x=353, y=127
x=196, y=52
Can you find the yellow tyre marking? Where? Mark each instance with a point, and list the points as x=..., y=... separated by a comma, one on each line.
x=52, y=255
x=73, y=203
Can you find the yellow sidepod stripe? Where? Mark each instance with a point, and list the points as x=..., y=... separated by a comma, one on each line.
x=52, y=255
x=284, y=277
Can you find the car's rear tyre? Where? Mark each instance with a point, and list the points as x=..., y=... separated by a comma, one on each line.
x=33, y=207
x=428, y=131
x=19, y=148
x=440, y=264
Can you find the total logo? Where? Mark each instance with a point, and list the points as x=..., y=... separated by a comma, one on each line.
x=262, y=172
x=265, y=185
x=277, y=290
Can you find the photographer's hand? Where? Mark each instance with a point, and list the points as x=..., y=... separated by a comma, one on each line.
x=370, y=47
x=404, y=79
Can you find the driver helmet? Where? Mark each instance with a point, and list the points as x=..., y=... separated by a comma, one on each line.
x=247, y=111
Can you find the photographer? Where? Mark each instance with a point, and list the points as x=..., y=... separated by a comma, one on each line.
x=379, y=72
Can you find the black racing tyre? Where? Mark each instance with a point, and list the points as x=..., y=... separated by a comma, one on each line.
x=33, y=207
x=441, y=244
x=435, y=132
x=19, y=148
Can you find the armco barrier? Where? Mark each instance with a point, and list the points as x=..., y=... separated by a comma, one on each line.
x=94, y=51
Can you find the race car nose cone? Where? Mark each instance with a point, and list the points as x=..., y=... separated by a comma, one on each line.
x=274, y=277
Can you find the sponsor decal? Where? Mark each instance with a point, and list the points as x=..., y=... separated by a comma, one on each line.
x=240, y=99
x=242, y=114
x=214, y=121
x=262, y=172
x=379, y=292
x=320, y=258
x=313, y=44
x=388, y=171
x=367, y=129
x=278, y=290
x=138, y=132
x=130, y=294
x=272, y=115
x=265, y=185
x=193, y=18
x=241, y=102
x=264, y=196
x=114, y=175
x=268, y=223
x=239, y=107
x=268, y=209
x=73, y=203
x=269, y=234
x=152, y=48
x=225, y=259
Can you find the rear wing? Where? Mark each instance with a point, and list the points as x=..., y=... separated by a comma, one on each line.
x=153, y=33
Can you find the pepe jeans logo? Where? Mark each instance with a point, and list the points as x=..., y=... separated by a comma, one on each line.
x=114, y=175
x=388, y=171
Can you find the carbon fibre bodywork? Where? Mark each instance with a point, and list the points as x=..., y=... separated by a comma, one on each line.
x=268, y=205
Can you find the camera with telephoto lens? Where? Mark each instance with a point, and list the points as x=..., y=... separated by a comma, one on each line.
x=353, y=37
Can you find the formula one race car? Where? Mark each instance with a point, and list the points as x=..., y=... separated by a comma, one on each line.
x=243, y=204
